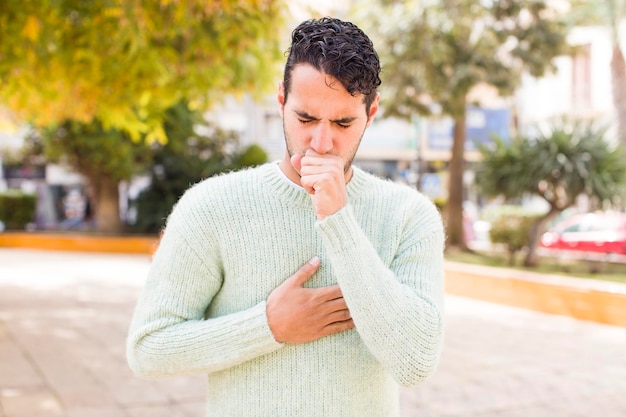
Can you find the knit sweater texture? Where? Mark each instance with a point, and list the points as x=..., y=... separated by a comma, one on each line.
x=234, y=238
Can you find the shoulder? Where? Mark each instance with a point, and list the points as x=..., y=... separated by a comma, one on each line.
x=212, y=195
x=398, y=200
x=229, y=179
x=376, y=187
x=223, y=186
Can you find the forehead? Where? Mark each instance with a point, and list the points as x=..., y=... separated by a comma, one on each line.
x=322, y=95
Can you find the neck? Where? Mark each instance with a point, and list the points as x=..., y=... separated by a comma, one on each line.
x=289, y=171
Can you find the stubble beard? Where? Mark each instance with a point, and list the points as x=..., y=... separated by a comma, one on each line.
x=348, y=163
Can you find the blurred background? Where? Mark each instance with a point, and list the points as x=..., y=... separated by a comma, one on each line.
x=510, y=115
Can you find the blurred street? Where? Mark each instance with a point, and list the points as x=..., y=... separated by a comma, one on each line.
x=64, y=317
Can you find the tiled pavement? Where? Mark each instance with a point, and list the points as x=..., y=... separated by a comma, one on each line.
x=64, y=316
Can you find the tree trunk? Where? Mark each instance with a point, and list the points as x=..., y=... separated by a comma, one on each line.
x=107, y=209
x=454, y=206
x=532, y=257
x=618, y=77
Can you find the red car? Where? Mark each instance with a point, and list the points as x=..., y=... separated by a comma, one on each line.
x=601, y=232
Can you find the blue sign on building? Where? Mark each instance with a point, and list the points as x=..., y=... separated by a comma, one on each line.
x=481, y=124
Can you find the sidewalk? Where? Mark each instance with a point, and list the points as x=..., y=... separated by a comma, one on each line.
x=64, y=316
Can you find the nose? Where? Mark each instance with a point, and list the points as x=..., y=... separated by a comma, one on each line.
x=321, y=140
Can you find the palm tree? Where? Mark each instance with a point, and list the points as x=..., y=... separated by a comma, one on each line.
x=558, y=164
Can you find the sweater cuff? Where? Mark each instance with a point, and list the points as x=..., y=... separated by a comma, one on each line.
x=255, y=326
x=340, y=228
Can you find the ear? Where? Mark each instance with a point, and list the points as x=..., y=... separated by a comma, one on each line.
x=373, y=110
x=281, y=97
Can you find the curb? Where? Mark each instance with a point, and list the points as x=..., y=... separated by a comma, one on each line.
x=584, y=299
x=79, y=243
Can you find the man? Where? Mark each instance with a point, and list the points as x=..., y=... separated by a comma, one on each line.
x=305, y=287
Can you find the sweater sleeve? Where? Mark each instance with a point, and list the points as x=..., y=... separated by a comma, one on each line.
x=169, y=334
x=397, y=310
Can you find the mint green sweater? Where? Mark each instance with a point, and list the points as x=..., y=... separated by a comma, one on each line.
x=232, y=239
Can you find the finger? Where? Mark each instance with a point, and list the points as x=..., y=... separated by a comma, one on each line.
x=338, y=326
x=339, y=315
x=311, y=165
x=315, y=176
x=314, y=157
x=337, y=304
x=314, y=183
x=310, y=153
x=305, y=272
x=329, y=293
x=307, y=186
x=314, y=173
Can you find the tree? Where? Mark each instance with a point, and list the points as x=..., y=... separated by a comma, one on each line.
x=100, y=75
x=125, y=62
x=104, y=156
x=195, y=150
x=558, y=164
x=436, y=53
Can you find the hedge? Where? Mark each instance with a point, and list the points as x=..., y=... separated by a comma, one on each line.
x=17, y=209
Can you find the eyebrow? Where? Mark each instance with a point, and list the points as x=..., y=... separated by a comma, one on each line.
x=343, y=120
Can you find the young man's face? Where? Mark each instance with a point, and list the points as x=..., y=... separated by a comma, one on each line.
x=319, y=114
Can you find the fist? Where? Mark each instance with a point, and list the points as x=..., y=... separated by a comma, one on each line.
x=324, y=177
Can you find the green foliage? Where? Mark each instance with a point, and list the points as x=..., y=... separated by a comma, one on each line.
x=124, y=62
x=494, y=212
x=590, y=12
x=196, y=150
x=434, y=53
x=512, y=231
x=440, y=203
x=103, y=156
x=574, y=268
x=251, y=156
x=558, y=163
x=93, y=150
x=97, y=77
x=17, y=209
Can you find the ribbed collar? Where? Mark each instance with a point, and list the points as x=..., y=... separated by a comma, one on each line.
x=280, y=186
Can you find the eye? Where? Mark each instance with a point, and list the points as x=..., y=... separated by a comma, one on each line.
x=343, y=126
x=304, y=121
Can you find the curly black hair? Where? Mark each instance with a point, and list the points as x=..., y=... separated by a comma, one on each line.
x=339, y=49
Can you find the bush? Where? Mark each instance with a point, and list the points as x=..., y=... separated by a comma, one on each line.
x=440, y=203
x=492, y=213
x=195, y=150
x=17, y=209
x=512, y=231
